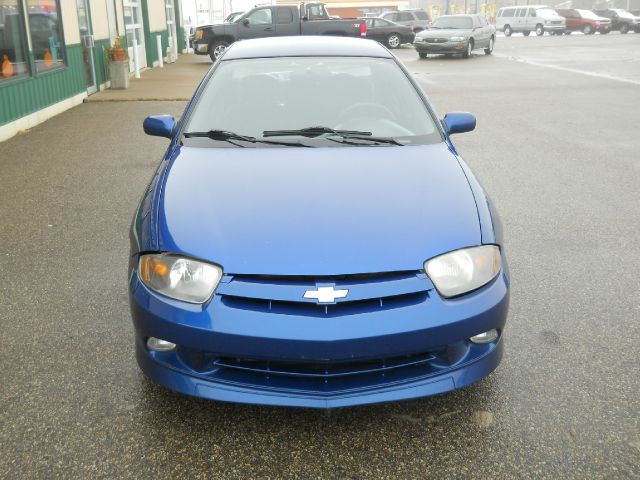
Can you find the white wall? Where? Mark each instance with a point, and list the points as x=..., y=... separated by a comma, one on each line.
x=157, y=15
x=70, y=21
x=99, y=19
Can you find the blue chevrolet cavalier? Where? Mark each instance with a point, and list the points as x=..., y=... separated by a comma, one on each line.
x=312, y=238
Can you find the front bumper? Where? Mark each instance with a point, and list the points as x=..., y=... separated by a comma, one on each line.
x=201, y=48
x=443, y=47
x=555, y=28
x=268, y=357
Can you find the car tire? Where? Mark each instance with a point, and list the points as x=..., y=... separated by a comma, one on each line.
x=526, y=33
x=393, y=41
x=507, y=30
x=489, y=49
x=422, y=55
x=567, y=32
x=587, y=30
x=216, y=49
x=539, y=30
x=624, y=29
x=467, y=52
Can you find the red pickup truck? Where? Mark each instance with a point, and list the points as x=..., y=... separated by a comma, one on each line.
x=584, y=21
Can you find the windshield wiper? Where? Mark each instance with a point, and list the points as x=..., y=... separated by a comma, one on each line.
x=224, y=136
x=315, y=132
x=374, y=140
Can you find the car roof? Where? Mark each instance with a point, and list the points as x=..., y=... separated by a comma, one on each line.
x=528, y=6
x=306, y=46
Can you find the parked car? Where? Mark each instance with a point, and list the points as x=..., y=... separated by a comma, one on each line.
x=457, y=34
x=266, y=270
x=621, y=19
x=390, y=34
x=274, y=21
x=584, y=21
x=416, y=19
x=529, y=18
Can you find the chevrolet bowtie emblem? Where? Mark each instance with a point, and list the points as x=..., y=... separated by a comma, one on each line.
x=325, y=294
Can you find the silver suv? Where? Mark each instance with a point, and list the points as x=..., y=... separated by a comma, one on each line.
x=417, y=19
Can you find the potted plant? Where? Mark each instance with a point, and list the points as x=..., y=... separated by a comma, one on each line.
x=117, y=57
x=117, y=52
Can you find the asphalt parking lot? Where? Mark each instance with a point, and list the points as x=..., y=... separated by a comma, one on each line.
x=557, y=147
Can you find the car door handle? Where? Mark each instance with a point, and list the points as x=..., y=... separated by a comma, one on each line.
x=268, y=29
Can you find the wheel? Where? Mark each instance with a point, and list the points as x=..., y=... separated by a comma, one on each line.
x=393, y=40
x=567, y=32
x=216, y=49
x=467, y=52
x=624, y=28
x=539, y=30
x=422, y=54
x=587, y=29
x=526, y=33
x=489, y=49
x=507, y=30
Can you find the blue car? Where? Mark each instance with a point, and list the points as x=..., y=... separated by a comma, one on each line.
x=312, y=238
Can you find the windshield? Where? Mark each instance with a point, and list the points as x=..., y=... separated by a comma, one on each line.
x=233, y=17
x=588, y=14
x=251, y=96
x=453, y=23
x=546, y=12
x=623, y=13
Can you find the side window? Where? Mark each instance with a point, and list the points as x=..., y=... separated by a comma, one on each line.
x=476, y=22
x=532, y=12
x=404, y=17
x=521, y=12
x=46, y=34
x=392, y=16
x=13, y=41
x=509, y=12
x=284, y=15
x=483, y=22
x=260, y=17
x=315, y=12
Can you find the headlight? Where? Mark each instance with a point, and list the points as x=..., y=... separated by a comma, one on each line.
x=178, y=277
x=458, y=39
x=464, y=270
x=419, y=39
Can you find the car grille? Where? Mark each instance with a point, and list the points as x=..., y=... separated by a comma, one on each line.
x=285, y=294
x=436, y=40
x=319, y=370
x=556, y=22
x=321, y=376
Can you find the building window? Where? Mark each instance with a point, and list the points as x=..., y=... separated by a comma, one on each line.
x=45, y=27
x=13, y=45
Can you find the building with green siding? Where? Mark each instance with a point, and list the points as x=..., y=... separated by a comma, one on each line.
x=52, y=52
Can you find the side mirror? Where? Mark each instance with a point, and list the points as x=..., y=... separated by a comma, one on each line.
x=245, y=22
x=159, y=125
x=459, y=122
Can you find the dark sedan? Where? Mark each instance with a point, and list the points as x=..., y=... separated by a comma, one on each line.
x=390, y=34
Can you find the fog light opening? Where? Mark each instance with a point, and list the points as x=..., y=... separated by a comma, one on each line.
x=159, y=345
x=485, y=337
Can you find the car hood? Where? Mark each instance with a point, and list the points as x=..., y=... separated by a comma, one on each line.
x=444, y=33
x=320, y=211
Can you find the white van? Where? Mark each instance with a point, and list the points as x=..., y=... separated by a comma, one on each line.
x=529, y=18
